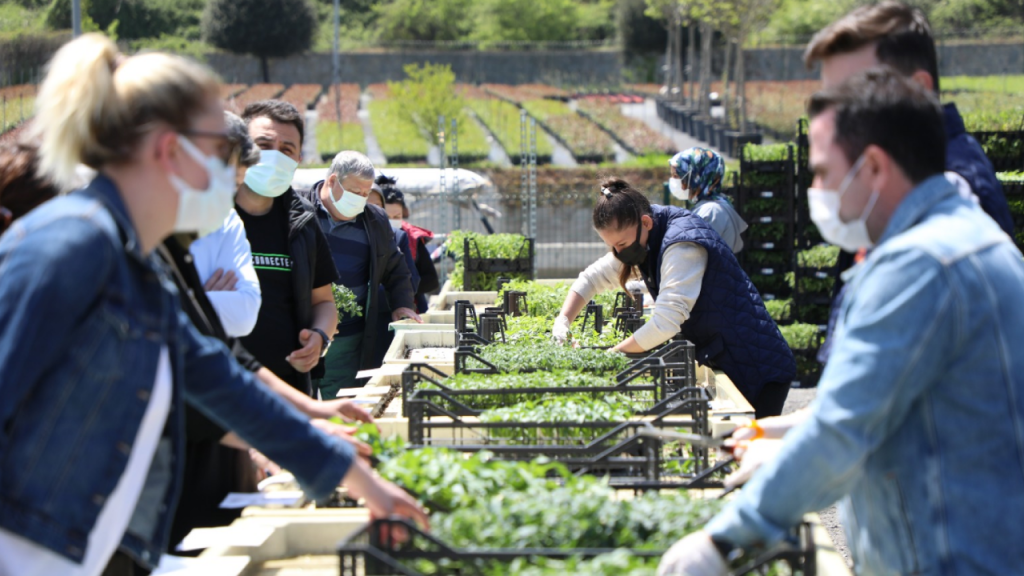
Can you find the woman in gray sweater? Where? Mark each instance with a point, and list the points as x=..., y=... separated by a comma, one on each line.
x=697, y=175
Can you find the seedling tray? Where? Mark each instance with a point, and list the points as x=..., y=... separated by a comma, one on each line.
x=474, y=263
x=372, y=551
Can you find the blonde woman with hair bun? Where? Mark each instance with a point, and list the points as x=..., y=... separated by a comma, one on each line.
x=96, y=357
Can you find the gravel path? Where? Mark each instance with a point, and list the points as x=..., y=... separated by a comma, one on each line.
x=799, y=398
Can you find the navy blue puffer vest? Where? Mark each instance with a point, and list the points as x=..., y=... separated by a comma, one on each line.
x=728, y=325
x=966, y=157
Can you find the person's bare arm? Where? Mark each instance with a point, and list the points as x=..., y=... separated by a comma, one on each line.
x=325, y=317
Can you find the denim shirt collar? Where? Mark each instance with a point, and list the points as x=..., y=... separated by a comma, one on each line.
x=916, y=205
x=103, y=189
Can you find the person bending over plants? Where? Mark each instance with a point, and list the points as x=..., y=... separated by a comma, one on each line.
x=700, y=291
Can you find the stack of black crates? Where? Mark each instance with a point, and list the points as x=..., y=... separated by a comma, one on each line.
x=765, y=200
x=813, y=276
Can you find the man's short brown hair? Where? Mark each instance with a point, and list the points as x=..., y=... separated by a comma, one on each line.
x=279, y=111
x=885, y=108
x=901, y=33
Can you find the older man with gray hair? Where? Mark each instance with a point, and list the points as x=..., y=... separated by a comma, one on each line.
x=363, y=246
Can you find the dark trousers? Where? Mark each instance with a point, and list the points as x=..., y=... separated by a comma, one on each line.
x=771, y=399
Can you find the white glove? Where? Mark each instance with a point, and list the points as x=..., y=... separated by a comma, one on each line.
x=694, y=555
x=560, y=331
x=756, y=453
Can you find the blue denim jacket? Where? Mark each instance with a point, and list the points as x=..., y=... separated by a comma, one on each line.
x=919, y=420
x=83, y=316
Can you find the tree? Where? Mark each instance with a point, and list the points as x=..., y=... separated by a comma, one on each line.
x=424, y=20
x=744, y=17
x=427, y=94
x=525, y=21
x=264, y=28
x=641, y=34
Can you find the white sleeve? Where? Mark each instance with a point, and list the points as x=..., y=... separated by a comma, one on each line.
x=682, y=272
x=228, y=249
x=601, y=276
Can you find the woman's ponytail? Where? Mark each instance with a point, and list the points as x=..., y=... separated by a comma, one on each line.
x=78, y=103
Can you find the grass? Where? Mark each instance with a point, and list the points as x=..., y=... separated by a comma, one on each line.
x=639, y=138
x=331, y=138
x=472, y=143
x=399, y=139
x=502, y=119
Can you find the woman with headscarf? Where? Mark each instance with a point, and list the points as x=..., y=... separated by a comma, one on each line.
x=697, y=175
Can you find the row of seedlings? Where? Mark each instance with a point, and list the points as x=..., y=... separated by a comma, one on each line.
x=519, y=454
x=513, y=337
x=534, y=517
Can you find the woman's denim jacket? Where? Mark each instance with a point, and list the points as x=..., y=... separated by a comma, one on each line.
x=83, y=317
x=919, y=421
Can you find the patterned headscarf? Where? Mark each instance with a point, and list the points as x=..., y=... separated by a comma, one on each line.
x=701, y=170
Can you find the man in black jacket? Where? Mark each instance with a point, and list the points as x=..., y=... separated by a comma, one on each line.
x=297, y=317
x=366, y=256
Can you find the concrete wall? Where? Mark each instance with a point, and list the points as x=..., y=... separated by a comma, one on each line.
x=954, y=60
x=572, y=68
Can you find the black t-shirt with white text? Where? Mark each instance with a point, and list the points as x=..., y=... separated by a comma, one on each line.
x=276, y=334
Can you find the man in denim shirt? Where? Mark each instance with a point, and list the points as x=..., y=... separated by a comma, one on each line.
x=918, y=427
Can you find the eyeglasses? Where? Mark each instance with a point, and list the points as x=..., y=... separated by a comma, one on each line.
x=228, y=148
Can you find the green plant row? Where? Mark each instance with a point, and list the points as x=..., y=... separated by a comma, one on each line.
x=502, y=119
x=821, y=256
x=550, y=356
x=537, y=330
x=811, y=284
x=766, y=152
x=399, y=139
x=490, y=246
x=800, y=336
x=764, y=206
x=545, y=301
x=780, y=310
x=637, y=135
x=332, y=138
x=580, y=408
x=585, y=140
x=505, y=382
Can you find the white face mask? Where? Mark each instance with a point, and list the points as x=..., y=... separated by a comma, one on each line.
x=825, y=205
x=675, y=186
x=396, y=225
x=272, y=176
x=203, y=211
x=350, y=204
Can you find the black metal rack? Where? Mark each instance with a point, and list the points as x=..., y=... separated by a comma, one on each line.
x=477, y=264
x=373, y=551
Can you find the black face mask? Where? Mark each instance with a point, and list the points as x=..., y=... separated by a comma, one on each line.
x=635, y=253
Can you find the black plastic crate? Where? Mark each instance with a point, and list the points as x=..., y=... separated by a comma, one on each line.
x=808, y=368
x=673, y=363
x=652, y=376
x=617, y=450
x=372, y=552
x=474, y=263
